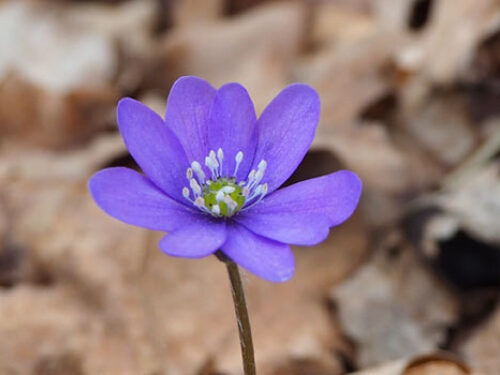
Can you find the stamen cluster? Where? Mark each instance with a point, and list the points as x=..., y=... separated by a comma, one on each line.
x=223, y=196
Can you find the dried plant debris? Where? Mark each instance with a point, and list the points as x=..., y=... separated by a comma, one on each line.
x=393, y=307
x=456, y=228
x=481, y=350
x=438, y=363
x=426, y=54
x=61, y=68
x=255, y=48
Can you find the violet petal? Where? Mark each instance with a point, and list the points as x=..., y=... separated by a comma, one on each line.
x=198, y=239
x=285, y=131
x=132, y=198
x=265, y=258
x=188, y=107
x=302, y=213
x=232, y=127
x=153, y=146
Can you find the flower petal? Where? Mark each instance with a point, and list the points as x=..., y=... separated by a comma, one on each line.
x=287, y=227
x=285, y=131
x=132, y=198
x=153, y=146
x=232, y=127
x=188, y=107
x=265, y=258
x=198, y=239
x=302, y=213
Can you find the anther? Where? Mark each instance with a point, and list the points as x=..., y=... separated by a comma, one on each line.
x=259, y=175
x=195, y=186
x=196, y=167
x=229, y=201
x=199, y=202
x=189, y=174
x=262, y=165
x=220, y=156
x=216, y=209
x=251, y=175
x=238, y=158
x=185, y=193
x=212, y=166
x=231, y=204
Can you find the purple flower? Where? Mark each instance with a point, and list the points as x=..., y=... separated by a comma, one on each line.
x=211, y=173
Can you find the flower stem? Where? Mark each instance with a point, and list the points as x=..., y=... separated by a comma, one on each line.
x=240, y=307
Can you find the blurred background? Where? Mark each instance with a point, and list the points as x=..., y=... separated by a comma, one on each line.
x=410, y=101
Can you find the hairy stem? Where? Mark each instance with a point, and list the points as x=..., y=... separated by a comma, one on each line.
x=240, y=307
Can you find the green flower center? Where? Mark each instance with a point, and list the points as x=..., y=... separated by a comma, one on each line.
x=224, y=194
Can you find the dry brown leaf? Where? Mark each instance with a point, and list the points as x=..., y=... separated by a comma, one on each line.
x=439, y=363
x=475, y=202
x=442, y=127
x=59, y=65
x=393, y=307
x=334, y=24
x=447, y=44
x=255, y=48
x=188, y=13
x=483, y=347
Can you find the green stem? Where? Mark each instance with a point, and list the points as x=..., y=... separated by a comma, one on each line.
x=240, y=307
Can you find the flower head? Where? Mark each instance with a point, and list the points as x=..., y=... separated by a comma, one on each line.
x=211, y=173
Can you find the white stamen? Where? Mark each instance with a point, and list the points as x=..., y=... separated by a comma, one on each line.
x=209, y=162
x=229, y=201
x=258, y=176
x=199, y=171
x=246, y=191
x=262, y=165
x=255, y=177
x=212, y=163
x=185, y=193
x=216, y=209
x=231, y=205
x=199, y=202
x=251, y=175
x=195, y=187
x=255, y=193
x=215, y=163
x=251, y=178
x=262, y=191
x=220, y=157
x=189, y=174
x=238, y=158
